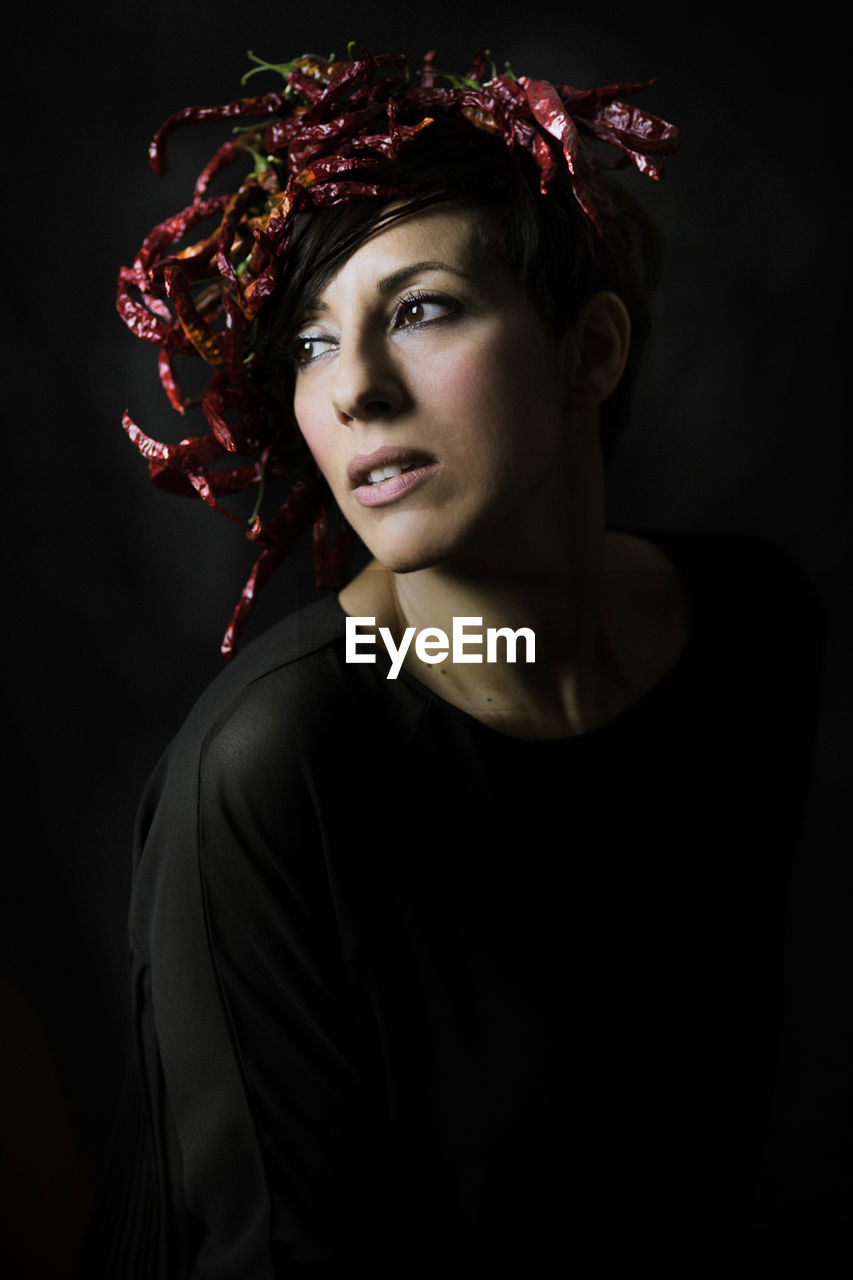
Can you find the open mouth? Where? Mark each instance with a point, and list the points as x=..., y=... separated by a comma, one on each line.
x=385, y=464
x=388, y=473
x=378, y=474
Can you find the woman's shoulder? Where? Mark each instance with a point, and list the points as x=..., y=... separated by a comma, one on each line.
x=724, y=606
x=290, y=670
x=756, y=621
x=256, y=714
x=743, y=578
x=285, y=711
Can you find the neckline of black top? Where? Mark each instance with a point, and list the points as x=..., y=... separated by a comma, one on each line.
x=648, y=704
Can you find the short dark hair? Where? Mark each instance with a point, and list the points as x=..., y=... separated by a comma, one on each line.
x=549, y=242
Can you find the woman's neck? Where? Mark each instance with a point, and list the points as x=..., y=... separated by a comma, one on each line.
x=604, y=608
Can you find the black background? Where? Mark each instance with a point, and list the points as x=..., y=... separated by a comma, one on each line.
x=116, y=595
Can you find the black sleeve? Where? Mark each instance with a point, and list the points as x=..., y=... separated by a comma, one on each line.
x=265, y=1124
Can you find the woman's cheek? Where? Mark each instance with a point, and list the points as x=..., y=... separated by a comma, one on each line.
x=458, y=386
x=314, y=428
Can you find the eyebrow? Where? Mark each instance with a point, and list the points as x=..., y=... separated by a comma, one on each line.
x=391, y=282
x=388, y=283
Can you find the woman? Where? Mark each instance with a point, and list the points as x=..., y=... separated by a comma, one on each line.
x=457, y=908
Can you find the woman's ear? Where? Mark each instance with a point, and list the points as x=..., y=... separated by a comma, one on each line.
x=596, y=350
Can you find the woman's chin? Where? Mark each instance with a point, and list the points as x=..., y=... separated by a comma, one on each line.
x=406, y=541
x=408, y=554
x=408, y=557
x=405, y=562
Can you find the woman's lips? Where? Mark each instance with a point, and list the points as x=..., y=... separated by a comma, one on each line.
x=418, y=466
x=377, y=495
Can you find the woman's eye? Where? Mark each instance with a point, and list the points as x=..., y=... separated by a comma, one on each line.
x=306, y=348
x=424, y=310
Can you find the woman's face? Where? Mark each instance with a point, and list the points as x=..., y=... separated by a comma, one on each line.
x=424, y=357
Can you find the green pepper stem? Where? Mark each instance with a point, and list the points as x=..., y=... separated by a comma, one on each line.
x=257, y=507
x=283, y=68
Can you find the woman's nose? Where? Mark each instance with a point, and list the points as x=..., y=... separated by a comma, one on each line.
x=367, y=384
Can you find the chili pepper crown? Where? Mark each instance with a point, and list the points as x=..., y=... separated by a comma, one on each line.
x=319, y=140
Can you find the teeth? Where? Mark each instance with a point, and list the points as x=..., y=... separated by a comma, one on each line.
x=385, y=473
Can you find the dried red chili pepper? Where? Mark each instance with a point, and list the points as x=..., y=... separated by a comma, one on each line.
x=296, y=514
x=232, y=150
x=550, y=111
x=242, y=108
x=206, y=341
x=189, y=454
x=330, y=563
x=300, y=143
x=428, y=69
x=139, y=318
x=174, y=343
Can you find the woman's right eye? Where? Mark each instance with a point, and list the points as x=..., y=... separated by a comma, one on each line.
x=307, y=347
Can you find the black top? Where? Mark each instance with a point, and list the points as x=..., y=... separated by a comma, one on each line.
x=414, y=998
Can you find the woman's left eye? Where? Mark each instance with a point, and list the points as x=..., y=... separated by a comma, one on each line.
x=417, y=311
